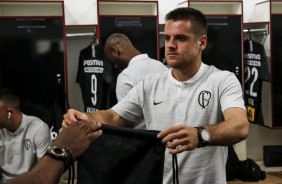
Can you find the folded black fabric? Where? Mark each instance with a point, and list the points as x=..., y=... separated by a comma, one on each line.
x=123, y=156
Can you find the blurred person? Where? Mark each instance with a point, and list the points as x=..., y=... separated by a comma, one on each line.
x=67, y=147
x=23, y=139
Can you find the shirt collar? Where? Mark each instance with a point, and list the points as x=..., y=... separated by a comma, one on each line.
x=196, y=77
x=138, y=57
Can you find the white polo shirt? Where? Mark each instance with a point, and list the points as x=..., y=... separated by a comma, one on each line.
x=164, y=102
x=138, y=67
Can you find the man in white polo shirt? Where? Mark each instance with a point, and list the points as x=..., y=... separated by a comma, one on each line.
x=134, y=65
x=198, y=108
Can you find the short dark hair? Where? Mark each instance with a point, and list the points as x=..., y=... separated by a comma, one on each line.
x=9, y=98
x=197, y=18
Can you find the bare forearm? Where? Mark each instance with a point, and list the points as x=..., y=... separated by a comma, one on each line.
x=47, y=171
x=231, y=131
x=107, y=117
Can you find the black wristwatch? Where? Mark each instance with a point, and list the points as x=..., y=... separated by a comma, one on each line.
x=203, y=136
x=61, y=153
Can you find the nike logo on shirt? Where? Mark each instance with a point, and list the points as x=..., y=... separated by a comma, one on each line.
x=157, y=103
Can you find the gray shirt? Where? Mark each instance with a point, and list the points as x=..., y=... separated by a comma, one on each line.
x=20, y=150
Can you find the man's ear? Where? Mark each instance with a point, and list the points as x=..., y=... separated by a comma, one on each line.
x=203, y=42
x=114, y=51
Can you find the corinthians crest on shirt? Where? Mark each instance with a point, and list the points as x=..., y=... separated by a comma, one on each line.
x=204, y=98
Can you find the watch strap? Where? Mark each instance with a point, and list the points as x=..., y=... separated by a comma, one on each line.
x=67, y=158
x=202, y=142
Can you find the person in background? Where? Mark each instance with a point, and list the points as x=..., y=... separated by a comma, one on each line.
x=198, y=108
x=70, y=144
x=134, y=65
x=23, y=139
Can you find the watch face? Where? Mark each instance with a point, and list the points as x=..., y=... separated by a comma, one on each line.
x=58, y=151
x=62, y=154
x=205, y=135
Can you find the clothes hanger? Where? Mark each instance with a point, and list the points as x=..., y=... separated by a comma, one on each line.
x=94, y=42
x=250, y=40
x=93, y=45
x=250, y=34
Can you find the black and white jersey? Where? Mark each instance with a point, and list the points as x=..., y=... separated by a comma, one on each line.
x=256, y=71
x=93, y=76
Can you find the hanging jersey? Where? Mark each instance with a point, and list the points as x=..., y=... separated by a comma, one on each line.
x=256, y=71
x=123, y=156
x=93, y=75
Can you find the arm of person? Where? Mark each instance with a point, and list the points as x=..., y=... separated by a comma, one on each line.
x=47, y=170
x=104, y=116
x=128, y=110
x=233, y=129
x=76, y=137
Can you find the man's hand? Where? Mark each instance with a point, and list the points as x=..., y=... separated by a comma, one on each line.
x=72, y=116
x=179, y=138
x=78, y=136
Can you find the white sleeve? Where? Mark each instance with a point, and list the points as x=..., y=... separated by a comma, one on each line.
x=231, y=94
x=124, y=85
x=42, y=140
x=130, y=107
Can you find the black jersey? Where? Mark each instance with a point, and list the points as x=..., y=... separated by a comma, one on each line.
x=93, y=76
x=256, y=71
